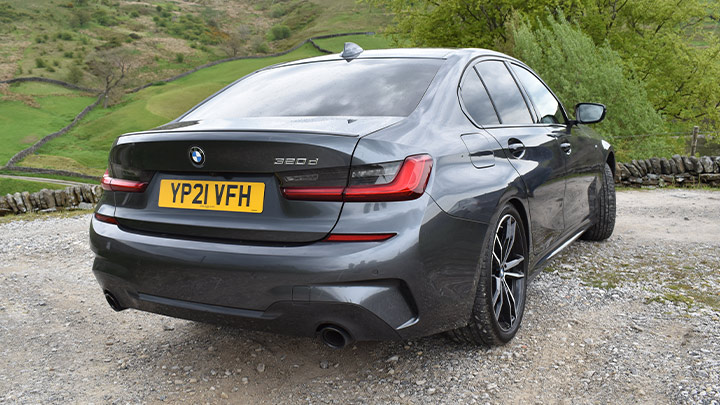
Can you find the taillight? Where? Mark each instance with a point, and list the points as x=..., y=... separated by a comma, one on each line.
x=130, y=186
x=106, y=219
x=392, y=181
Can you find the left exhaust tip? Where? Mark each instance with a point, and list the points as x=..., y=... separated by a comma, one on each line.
x=335, y=336
x=113, y=302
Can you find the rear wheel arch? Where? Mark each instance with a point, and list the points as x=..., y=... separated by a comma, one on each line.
x=611, y=162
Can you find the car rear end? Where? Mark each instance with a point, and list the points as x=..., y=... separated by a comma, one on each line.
x=270, y=223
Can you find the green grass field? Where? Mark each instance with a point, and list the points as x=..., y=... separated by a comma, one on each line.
x=85, y=148
x=11, y=186
x=29, y=111
x=365, y=41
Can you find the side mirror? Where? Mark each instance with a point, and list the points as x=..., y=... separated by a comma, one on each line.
x=589, y=113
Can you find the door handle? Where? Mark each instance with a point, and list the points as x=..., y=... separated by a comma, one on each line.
x=516, y=147
x=566, y=147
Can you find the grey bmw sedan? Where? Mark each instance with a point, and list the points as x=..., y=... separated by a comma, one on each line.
x=369, y=195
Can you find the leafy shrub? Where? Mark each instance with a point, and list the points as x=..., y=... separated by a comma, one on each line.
x=278, y=10
x=260, y=46
x=279, y=31
x=179, y=58
x=75, y=74
x=39, y=63
x=68, y=54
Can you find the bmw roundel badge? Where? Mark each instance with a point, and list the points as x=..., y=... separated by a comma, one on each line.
x=197, y=156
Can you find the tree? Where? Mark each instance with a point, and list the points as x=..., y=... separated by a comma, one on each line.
x=579, y=71
x=665, y=44
x=235, y=41
x=462, y=23
x=111, y=67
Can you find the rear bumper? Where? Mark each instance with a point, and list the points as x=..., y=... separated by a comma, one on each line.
x=418, y=283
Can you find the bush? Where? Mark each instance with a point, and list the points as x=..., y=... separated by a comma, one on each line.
x=279, y=31
x=179, y=58
x=260, y=46
x=278, y=11
x=39, y=63
x=578, y=71
x=68, y=55
x=75, y=74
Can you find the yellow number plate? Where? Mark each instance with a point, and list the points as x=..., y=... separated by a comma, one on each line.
x=212, y=195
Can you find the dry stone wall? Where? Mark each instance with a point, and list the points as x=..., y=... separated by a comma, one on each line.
x=678, y=171
x=72, y=197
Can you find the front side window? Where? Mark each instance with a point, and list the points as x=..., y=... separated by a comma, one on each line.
x=547, y=106
x=360, y=88
x=504, y=92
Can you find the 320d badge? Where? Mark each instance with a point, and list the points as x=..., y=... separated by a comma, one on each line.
x=363, y=196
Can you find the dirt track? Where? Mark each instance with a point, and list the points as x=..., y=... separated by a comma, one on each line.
x=633, y=319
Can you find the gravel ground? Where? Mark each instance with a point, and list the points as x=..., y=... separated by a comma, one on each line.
x=634, y=319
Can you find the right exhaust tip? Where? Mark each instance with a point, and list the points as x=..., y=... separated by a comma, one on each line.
x=335, y=337
x=113, y=302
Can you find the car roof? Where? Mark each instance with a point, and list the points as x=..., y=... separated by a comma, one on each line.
x=405, y=53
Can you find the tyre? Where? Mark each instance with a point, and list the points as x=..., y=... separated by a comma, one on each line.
x=604, y=210
x=500, y=299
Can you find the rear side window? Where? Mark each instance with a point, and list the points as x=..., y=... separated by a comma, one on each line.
x=545, y=103
x=504, y=92
x=362, y=87
x=476, y=100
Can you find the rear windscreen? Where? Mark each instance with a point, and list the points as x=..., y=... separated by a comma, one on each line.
x=362, y=87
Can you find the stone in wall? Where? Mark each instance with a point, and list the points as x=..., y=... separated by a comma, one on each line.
x=634, y=172
x=26, y=200
x=664, y=166
x=19, y=202
x=688, y=164
x=48, y=198
x=640, y=168
x=707, y=164
x=11, y=202
x=655, y=166
x=696, y=166
x=679, y=163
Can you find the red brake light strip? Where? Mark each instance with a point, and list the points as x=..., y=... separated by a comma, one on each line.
x=359, y=237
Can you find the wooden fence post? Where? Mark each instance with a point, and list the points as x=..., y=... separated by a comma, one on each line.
x=693, y=143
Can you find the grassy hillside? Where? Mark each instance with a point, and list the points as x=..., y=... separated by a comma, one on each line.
x=29, y=111
x=85, y=148
x=55, y=39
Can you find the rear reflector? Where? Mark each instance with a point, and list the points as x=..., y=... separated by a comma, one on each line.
x=359, y=237
x=106, y=219
x=130, y=186
x=408, y=184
